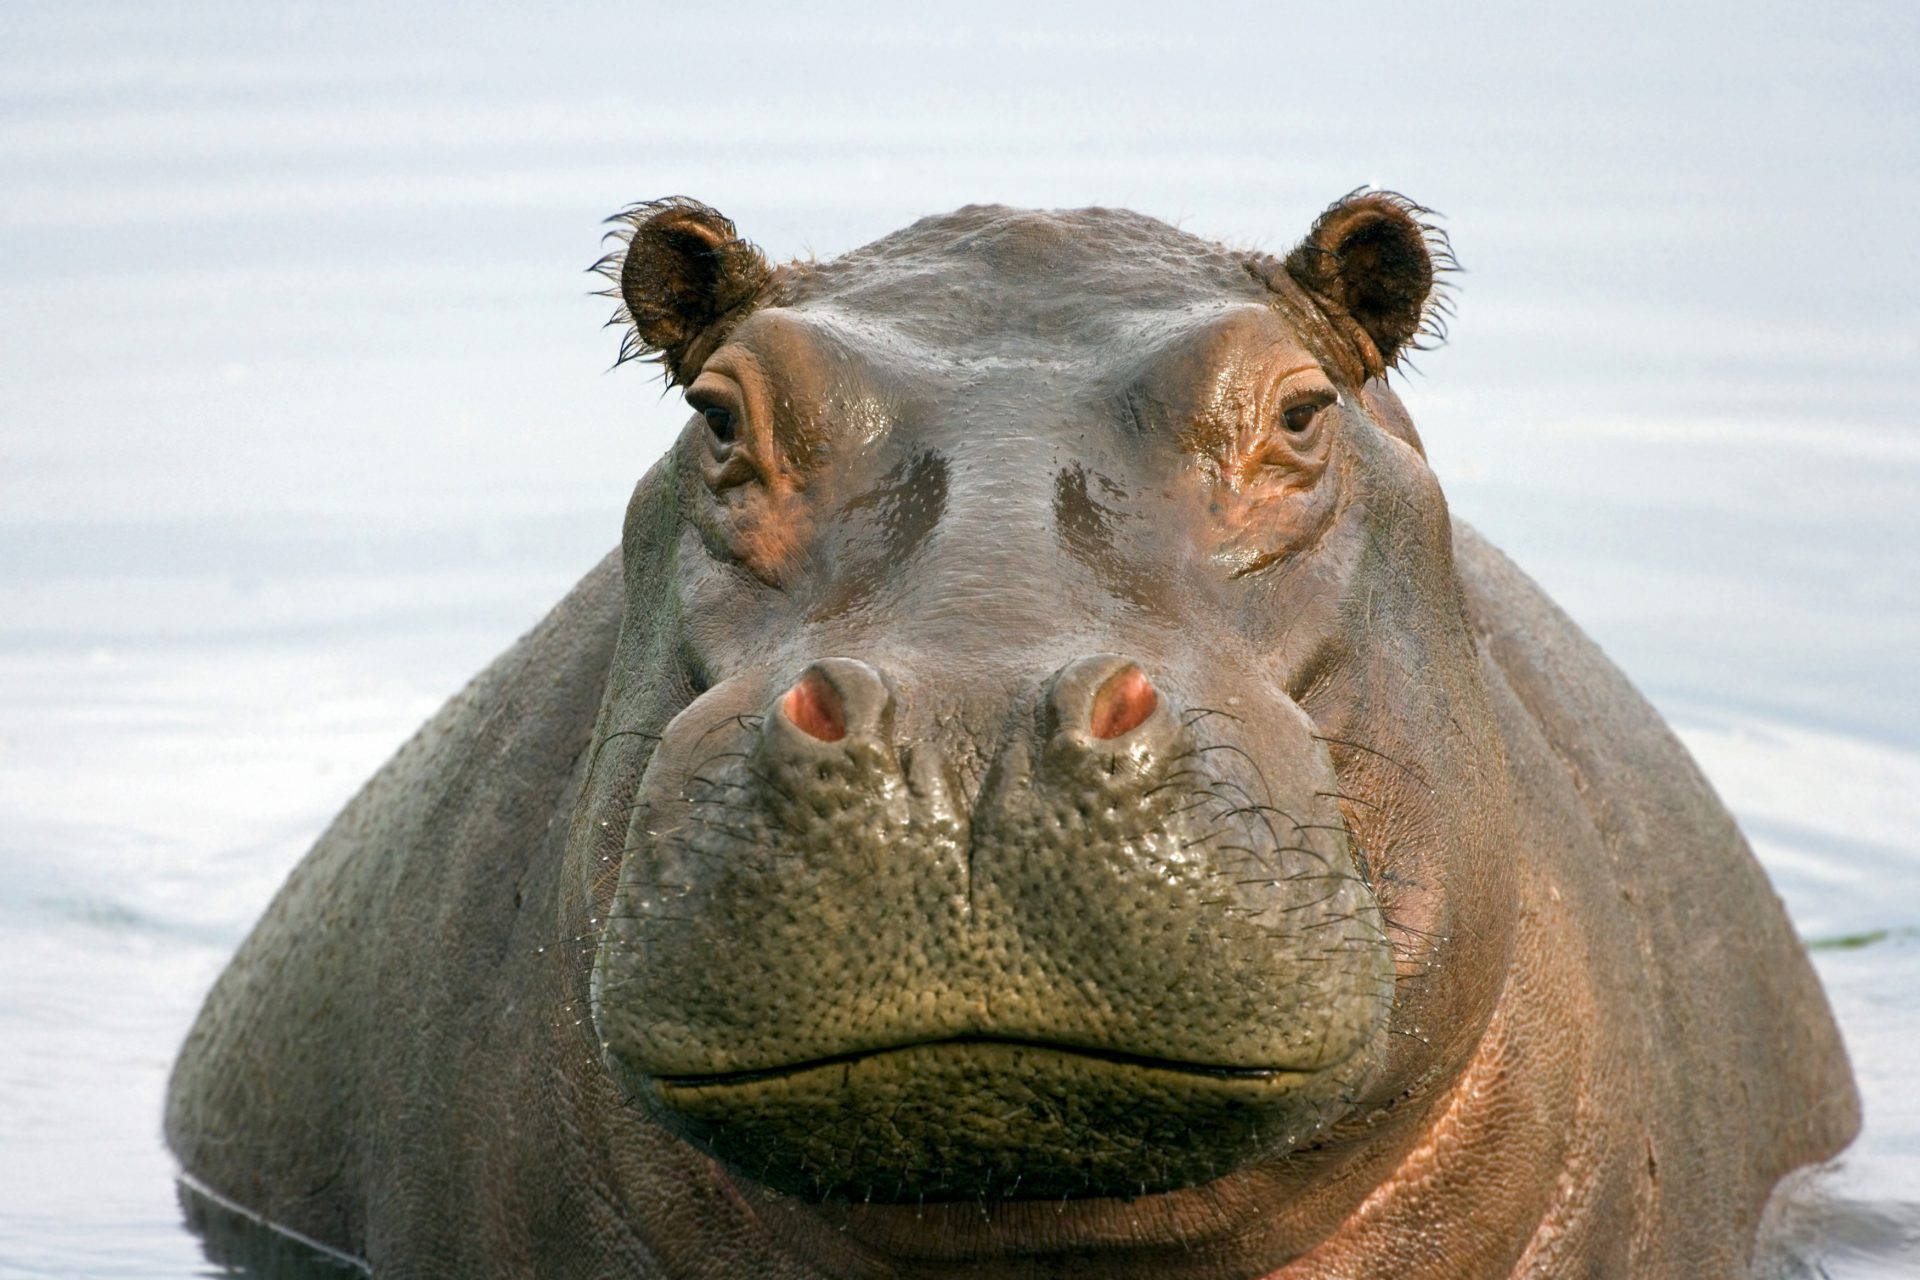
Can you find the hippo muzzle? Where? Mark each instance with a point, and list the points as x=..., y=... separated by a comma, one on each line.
x=1136, y=957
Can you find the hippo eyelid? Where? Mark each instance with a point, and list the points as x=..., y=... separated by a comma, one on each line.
x=720, y=422
x=1298, y=400
x=719, y=401
x=723, y=420
x=1301, y=384
x=1298, y=418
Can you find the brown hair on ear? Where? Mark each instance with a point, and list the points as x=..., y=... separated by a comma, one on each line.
x=682, y=274
x=1372, y=264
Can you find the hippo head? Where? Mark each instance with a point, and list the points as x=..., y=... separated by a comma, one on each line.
x=1046, y=762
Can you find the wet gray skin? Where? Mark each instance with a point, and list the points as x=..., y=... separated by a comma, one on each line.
x=1044, y=792
x=904, y=909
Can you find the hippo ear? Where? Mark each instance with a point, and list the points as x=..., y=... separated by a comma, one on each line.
x=1371, y=260
x=683, y=275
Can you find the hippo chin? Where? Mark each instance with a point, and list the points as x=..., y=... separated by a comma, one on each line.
x=1044, y=789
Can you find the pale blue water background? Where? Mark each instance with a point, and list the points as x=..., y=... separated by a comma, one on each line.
x=304, y=416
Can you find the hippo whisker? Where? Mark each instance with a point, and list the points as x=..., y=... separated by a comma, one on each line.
x=747, y=722
x=1237, y=750
x=1172, y=780
x=1194, y=715
x=767, y=780
x=1206, y=798
x=723, y=755
x=1266, y=813
x=739, y=810
x=1395, y=926
x=593, y=761
x=696, y=773
x=1348, y=877
x=742, y=834
x=1264, y=855
x=1408, y=769
x=714, y=785
x=726, y=804
x=1238, y=809
x=1323, y=920
x=628, y=733
x=1248, y=797
x=1202, y=841
x=1341, y=795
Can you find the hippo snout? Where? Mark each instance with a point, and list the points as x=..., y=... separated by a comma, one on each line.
x=840, y=964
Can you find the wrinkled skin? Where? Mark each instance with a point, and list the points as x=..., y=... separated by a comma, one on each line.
x=1045, y=789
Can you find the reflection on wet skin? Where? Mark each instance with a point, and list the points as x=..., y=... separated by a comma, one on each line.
x=1088, y=529
x=907, y=505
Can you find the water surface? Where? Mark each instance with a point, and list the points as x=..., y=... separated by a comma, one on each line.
x=306, y=416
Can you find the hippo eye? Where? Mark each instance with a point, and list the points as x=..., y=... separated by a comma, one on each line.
x=1299, y=417
x=720, y=422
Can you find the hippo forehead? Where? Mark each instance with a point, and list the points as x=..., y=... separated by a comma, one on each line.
x=987, y=284
x=996, y=421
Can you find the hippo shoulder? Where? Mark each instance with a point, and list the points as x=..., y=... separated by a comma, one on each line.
x=357, y=984
x=1728, y=1031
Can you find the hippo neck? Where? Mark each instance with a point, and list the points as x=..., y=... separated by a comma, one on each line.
x=1524, y=1102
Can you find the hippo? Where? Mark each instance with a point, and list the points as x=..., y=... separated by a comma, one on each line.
x=1044, y=788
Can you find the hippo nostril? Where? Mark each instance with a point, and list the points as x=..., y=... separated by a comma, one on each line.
x=1104, y=696
x=1124, y=701
x=814, y=706
x=836, y=704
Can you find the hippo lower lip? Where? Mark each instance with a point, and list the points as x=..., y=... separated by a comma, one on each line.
x=1118, y=1057
x=996, y=1118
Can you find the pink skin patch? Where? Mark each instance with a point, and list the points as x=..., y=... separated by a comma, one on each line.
x=1123, y=703
x=814, y=707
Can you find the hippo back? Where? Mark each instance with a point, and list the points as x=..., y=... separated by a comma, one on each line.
x=1721, y=1046
x=356, y=1063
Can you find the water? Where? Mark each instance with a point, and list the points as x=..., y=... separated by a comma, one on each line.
x=305, y=417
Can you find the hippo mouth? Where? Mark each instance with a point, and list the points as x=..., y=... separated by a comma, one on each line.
x=1117, y=1057
x=971, y=1117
